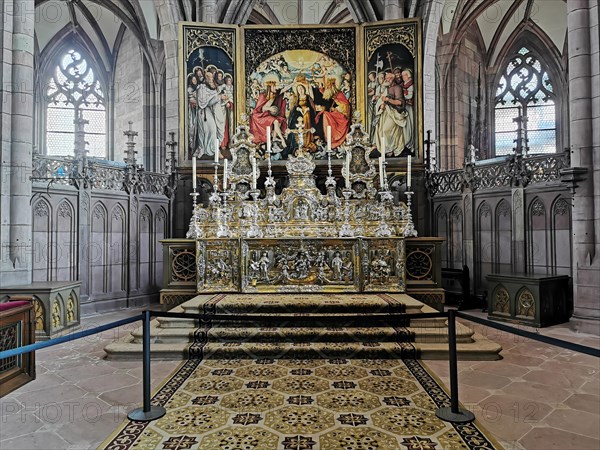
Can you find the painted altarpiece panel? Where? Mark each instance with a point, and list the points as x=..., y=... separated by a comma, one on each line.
x=300, y=78
x=208, y=89
x=393, y=92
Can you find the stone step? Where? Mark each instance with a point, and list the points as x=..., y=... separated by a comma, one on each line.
x=303, y=304
x=310, y=320
x=266, y=330
x=480, y=350
x=307, y=334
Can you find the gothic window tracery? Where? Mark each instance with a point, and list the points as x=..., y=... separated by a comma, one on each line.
x=74, y=87
x=525, y=89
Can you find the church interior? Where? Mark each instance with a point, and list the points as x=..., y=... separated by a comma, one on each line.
x=284, y=183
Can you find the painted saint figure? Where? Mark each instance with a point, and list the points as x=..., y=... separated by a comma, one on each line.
x=408, y=90
x=393, y=118
x=269, y=112
x=210, y=118
x=335, y=113
x=192, y=91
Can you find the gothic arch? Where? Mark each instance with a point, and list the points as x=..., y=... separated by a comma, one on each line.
x=561, y=236
x=529, y=35
x=48, y=59
x=455, y=236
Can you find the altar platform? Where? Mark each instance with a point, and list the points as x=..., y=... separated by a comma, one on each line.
x=262, y=328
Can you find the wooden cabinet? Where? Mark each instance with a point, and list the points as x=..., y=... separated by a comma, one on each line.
x=16, y=330
x=535, y=300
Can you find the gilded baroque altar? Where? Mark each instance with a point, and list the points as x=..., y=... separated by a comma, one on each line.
x=349, y=239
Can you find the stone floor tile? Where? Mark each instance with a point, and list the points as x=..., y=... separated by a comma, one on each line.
x=584, y=402
x=483, y=380
x=38, y=440
x=108, y=382
x=579, y=422
x=535, y=391
x=552, y=378
x=546, y=438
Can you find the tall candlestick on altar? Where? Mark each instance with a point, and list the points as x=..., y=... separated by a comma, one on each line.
x=225, y=174
x=329, y=138
x=253, y=173
x=408, y=174
x=194, y=172
x=268, y=139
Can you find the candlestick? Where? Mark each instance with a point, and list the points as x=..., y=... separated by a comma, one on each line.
x=225, y=174
x=408, y=174
x=328, y=138
x=194, y=172
x=268, y=139
x=253, y=173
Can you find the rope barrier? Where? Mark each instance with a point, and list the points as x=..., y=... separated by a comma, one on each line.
x=535, y=336
x=453, y=414
x=70, y=337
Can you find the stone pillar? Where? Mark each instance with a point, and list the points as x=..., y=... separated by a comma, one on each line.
x=17, y=141
x=208, y=10
x=585, y=144
x=431, y=11
x=393, y=9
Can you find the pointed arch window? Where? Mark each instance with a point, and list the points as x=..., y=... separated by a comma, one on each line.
x=72, y=87
x=525, y=89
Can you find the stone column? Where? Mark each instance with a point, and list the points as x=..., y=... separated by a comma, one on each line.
x=17, y=141
x=585, y=144
x=431, y=11
x=209, y=11
x=393, y=9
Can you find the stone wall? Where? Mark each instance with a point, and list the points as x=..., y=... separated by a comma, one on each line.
x=493, y=225
x=128, y=94
x=106, y=235
x=462, y=79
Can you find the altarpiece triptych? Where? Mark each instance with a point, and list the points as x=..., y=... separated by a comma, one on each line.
x=298, y=82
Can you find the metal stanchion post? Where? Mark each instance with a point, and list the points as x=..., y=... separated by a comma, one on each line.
x=148, y=412
x=454, y=413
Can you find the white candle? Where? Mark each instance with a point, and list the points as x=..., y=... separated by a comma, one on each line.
x=268, y=139
x=253, y=173
x=382, y=150
x=408, y=167
x=194, y=172
x=381, y=172
x=225, y=174
x=328, y=138
x=216, y=151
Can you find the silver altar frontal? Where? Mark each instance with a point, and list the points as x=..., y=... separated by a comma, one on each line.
x=348, y=239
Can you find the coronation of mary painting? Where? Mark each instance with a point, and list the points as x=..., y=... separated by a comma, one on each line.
x=300, y=81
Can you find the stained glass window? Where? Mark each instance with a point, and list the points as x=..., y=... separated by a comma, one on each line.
x=525, y=89
x=74, y=87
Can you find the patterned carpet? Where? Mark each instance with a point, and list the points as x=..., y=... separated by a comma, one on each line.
x=300, y=404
